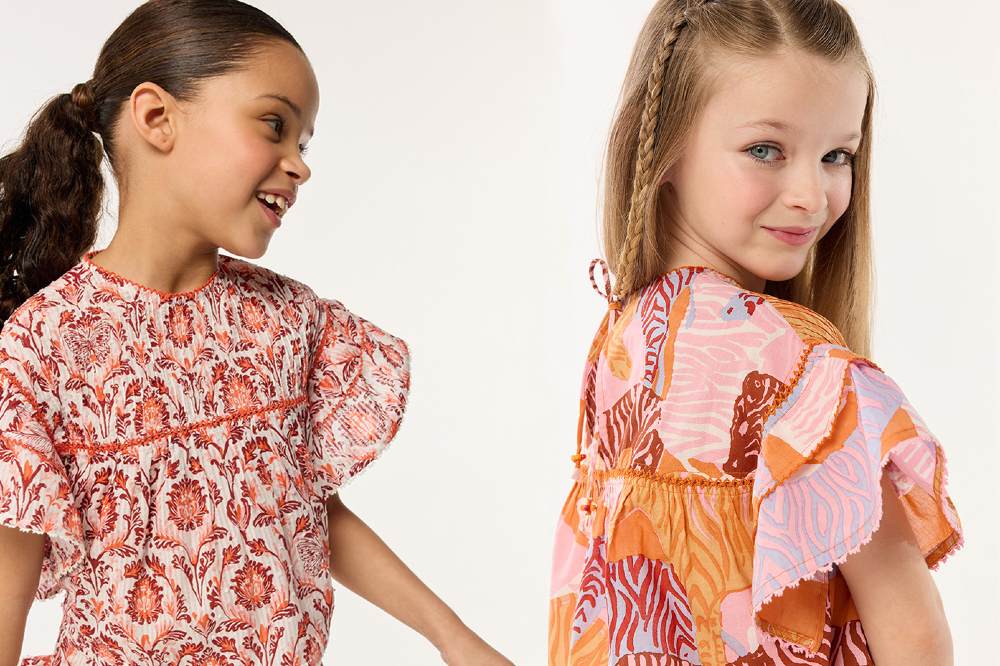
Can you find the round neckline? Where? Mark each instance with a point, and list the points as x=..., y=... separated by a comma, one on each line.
x=733, y=281
x=165, y=295
x=714, y=271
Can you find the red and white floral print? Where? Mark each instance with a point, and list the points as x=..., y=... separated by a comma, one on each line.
x=178, y=450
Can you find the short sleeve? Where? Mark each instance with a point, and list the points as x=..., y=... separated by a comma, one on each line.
x=841, y=426
x=35, y=492
x=357, y=391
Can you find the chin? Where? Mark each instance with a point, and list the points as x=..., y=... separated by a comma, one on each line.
x=246, y=249
x=779, y=269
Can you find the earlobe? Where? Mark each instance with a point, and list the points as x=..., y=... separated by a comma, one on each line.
x=153, y=112
x=667, y=177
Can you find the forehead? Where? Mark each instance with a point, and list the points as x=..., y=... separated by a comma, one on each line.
x=279, y=71
x=798, y=89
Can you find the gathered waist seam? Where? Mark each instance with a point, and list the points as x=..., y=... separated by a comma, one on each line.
x=674, y=481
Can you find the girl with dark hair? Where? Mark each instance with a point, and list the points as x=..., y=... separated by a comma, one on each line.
x=175, y=423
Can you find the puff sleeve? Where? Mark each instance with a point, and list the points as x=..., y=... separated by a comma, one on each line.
x=35, y=491
x=840, y=426
x=357, y=390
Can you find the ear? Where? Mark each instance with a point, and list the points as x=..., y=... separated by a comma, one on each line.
x=668, y=176
x=154, y=113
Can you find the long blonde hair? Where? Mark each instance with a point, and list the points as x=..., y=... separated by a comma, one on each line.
x=665, y=90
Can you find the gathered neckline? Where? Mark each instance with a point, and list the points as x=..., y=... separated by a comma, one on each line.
x=165, y=295
x=727, y=278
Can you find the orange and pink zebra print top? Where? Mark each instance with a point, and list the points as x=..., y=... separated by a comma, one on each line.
x=730, y=456
x=177, y=452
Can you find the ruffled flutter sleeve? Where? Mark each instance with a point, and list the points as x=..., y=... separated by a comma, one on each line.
x=357, y=391
x=839, y=427
x=35, y=491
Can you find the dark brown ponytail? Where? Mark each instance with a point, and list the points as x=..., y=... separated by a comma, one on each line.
x=51, y=186
x=51, y=196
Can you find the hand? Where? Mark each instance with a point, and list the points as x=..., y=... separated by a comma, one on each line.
x=465, y=648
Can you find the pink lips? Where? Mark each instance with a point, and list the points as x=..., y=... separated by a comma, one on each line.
x=275, y=220
x=793, y=235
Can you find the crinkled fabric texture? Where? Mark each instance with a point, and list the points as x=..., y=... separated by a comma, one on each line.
x=177, y=452
x=732, y=455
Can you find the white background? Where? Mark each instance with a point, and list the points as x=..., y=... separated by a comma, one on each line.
x=453, y=202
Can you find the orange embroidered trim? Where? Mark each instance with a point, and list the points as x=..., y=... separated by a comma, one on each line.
x=88, y=258
x=671, y=479
x=782, y=395
x=31, y=400
x=248, y=412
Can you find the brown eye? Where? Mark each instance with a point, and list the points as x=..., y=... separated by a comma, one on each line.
x=280, y=121
x=281, y=124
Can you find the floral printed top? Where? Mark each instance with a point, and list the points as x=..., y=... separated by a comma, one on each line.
x=177, y=452
x=730, y=457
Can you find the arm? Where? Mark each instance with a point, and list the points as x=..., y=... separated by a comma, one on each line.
x=20, y=567
x=364, y=564
x=899, y=605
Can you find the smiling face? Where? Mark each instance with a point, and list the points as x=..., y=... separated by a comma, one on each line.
x=767, y=169
x=239, y=139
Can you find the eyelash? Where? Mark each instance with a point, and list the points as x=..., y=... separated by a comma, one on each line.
x=849, y=162
x=302, y=149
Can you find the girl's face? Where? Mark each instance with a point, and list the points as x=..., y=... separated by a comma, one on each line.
x=767, y=170
x=240, y=139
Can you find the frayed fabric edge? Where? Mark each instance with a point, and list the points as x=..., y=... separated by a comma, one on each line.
x=877, y=514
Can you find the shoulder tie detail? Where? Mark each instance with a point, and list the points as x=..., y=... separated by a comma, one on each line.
x=614, y=303
x=586, y=505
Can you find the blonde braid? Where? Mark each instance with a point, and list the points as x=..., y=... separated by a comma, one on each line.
x=625, y=267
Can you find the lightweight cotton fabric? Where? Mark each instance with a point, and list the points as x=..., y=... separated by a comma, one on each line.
x=177, y=452
x=731, y=450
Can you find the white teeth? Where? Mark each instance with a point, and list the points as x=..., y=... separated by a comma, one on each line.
x=274, y=198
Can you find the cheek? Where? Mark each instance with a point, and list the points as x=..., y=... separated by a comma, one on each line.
x=229, y=163
x=745, y=190
x=838, y=195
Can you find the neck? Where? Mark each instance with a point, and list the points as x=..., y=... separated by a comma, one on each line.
x=680, y=255
x=158, y=256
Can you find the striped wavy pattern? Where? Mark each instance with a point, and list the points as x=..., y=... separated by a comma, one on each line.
x=705, y=532
x=734, y=453
x=716, y=357
x=759, y=389
x=648, y=610
x=654, y=311
x=824, y=512
x=630, y=430
x=591, y=601
x=650, y=659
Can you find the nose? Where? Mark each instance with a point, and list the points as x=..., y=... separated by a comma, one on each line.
x=297, y=169
x=806, y=189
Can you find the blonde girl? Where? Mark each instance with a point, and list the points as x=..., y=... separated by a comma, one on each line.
x=176, y=423
x=750, y=487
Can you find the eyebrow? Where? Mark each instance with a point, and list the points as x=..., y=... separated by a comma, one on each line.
x=785, y=127
x=294, y=107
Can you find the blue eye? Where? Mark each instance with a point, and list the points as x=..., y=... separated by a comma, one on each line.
x=760, y=151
